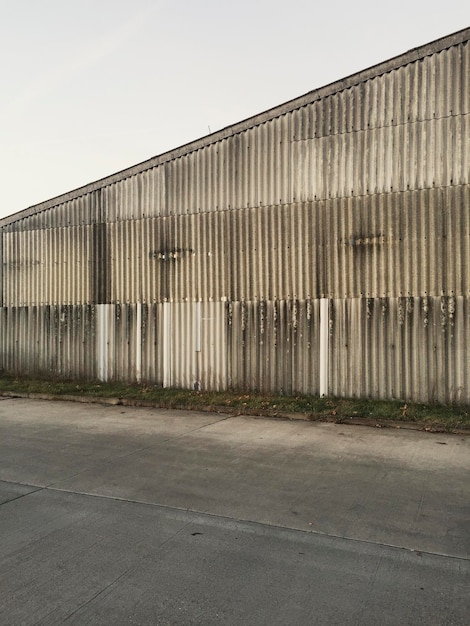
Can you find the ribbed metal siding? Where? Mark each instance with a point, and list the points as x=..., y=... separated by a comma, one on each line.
x=197, y=345
x=415, y=243
x=406, y=348
x=51, y=341
x=77, y=212
x=274, y=346
x=206, y=268
x=49, y=266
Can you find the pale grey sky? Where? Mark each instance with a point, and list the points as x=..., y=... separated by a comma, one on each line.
x=90, y=87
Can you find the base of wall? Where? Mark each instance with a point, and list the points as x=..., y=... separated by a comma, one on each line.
x=404, y=348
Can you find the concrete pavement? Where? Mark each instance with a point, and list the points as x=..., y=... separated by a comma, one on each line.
x=101, y=510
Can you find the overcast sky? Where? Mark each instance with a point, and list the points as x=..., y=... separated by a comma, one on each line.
x=89, y=87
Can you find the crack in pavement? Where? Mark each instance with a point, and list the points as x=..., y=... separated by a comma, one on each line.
x=241, y=521
x=34, y=489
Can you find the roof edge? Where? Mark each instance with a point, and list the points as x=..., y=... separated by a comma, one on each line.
x=411, y=56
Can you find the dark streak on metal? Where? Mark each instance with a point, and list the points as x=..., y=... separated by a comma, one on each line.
x=100, y=262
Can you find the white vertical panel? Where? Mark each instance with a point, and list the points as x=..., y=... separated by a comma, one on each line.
x=166, y=344
x=138, y=343
x=102, y=339
x=324, y=345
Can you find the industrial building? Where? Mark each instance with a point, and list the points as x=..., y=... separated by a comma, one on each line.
x=320, y=247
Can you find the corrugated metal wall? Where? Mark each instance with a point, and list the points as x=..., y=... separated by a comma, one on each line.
x=413, y=348
x=206, y=267
x=415, y=243
x=49, y=340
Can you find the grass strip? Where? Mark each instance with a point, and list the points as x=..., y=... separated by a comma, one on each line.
x=433, y=417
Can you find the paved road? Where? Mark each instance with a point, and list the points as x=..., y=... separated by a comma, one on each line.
x=111, y=515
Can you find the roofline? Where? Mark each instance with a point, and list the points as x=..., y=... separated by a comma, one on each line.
x=415, y=54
